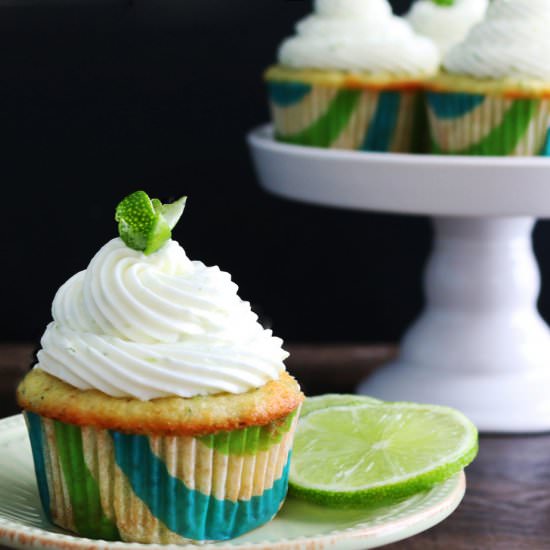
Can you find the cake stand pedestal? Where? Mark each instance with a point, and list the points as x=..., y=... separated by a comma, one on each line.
x=480, y=345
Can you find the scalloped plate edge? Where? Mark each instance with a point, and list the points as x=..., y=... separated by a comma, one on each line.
x=358, y=537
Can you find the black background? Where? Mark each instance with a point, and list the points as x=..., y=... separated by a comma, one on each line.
x=100, y=98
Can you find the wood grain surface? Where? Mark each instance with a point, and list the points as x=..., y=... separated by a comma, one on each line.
x=507, y=503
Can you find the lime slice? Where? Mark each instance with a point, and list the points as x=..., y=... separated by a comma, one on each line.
x=354, y=455
x=335, y=400
x=146, y=224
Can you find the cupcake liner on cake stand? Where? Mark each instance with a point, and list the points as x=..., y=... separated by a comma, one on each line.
x=480, y=344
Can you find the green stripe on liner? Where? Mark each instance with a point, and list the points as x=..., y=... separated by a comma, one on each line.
x=326, y=129
x=503, y=139
x=420, y=136
x=88, y=516
x=250, y=440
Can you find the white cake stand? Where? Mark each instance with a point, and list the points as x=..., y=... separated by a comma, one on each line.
x=480, y=345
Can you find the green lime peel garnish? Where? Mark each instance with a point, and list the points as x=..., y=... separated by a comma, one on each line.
x=444, y=2
x=146, y=224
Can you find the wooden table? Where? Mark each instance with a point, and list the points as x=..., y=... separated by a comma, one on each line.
x=507, y=503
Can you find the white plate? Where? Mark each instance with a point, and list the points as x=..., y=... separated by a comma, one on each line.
x=298, y=525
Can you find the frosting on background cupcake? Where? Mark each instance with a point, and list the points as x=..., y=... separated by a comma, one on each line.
x=512, y=42
x=446, y=25
x=358, y=35
x=153, y=326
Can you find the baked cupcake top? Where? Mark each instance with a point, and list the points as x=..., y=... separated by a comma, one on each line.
x=446, y=22
x=359, y=36
x=151, y=323
x=512, y=42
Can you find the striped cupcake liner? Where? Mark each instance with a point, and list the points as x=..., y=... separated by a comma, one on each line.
x=339, y=118
x=160, y=489
x=484, y=125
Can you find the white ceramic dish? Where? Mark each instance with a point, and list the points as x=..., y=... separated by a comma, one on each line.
x=298, y=526
x=433, y=185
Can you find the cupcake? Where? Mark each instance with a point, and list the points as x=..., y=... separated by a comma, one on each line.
x=159, y=409
x=493, y=95
x=350, y=77
x=446, y=22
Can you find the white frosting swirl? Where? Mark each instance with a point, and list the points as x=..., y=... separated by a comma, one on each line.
x=141, y=326
x=512, y=42
x=446, y=25
x=358, y=35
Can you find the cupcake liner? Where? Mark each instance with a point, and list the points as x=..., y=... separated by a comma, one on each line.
x=343, y=118
x=160, y=489
x=488, y=125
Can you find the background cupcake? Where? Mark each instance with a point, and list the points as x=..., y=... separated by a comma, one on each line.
x=493, y=95
x=349, y=78
x=446, y=22
x=159, y=409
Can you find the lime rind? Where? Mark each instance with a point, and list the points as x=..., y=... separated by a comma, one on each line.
x=383, y=494
x=333, y=400
x=145, y=224
x=136, y=217
x=387, y=488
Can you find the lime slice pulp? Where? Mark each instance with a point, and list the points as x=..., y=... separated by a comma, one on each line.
x=352, y=455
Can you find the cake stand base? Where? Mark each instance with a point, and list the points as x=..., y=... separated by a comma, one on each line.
x=480, y=344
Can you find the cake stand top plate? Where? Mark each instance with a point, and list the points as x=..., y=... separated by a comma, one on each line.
x=403, y=183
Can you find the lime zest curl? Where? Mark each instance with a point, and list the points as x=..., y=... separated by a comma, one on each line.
x=146, y=224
